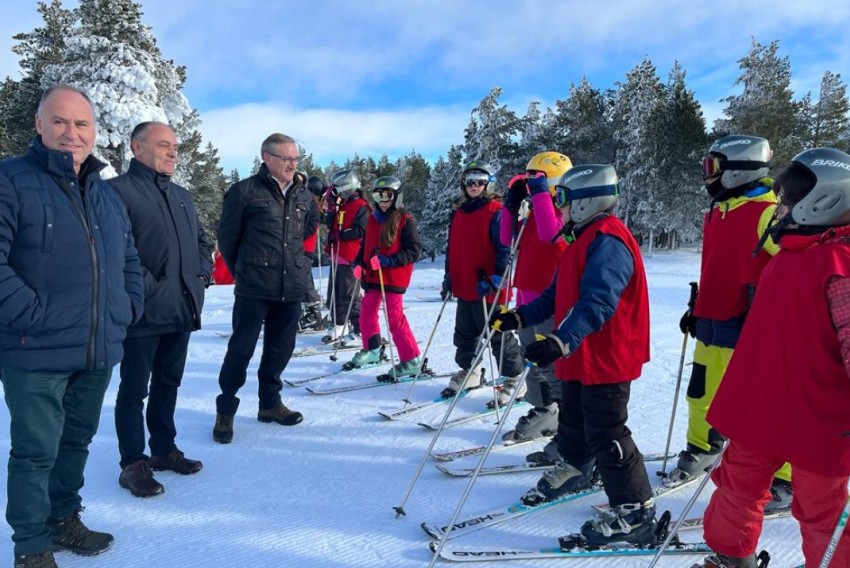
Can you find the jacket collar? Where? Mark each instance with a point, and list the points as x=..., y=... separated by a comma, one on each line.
x=61, y=164
x=795, y=242
x=139, y=169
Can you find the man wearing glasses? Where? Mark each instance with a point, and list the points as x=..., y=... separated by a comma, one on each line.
x=264, y=221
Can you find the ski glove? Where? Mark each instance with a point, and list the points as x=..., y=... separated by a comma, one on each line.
x=489, y=285
x=446, y=289
x=375, y=262
x=688, y=323
x=517, y=191
x=358, y=272
x=538, y=183
x=506, y=320
x=546, y=351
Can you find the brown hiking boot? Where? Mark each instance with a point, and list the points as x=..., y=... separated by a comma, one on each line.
x=69, y=533
x=281, y=415
x=176, y=461
x=138, y=478
x=43, y=560
x=223, y=429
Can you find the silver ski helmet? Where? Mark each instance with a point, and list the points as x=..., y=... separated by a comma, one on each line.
x=589, y=190
x=478, y=171
x=827, y=203
x=734, y=162
x=345, y=182
x=385, y=183
x=316, y=185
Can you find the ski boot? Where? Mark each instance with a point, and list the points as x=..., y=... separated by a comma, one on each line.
x=335, y=333
x=547, y=456
x=781, y=496
x=723, y=561
x=352, y=339
x=505, y=390
x=692, y=462
x=564, y=478
x=476, y=380
x=407, y=368
x=364, y=357
x=540, y=421
x=633, y=523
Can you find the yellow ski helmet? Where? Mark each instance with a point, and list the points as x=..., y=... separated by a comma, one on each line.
x=553, y=164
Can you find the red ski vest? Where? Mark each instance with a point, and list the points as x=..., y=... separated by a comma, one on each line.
x=396, y=277
x=616, y=353
x=220, y=273
x=471, y=252
x=728, y=264
x=346, y=249
x=537, y=260
x=786, y=392
x=310, y=242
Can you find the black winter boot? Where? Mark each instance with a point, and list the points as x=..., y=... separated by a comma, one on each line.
x=69, y=533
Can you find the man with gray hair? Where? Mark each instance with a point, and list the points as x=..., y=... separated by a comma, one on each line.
x=264, y=221
x=70, y=284
x=175, y=258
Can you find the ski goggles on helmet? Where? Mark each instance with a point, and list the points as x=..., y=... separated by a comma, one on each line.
x=476, y=178
x=713, y=166
x=564, y=195
x=383, y=195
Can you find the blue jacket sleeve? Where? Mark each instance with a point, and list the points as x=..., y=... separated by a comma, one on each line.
x=541, y=308
x=503, y=253
x=607, y=272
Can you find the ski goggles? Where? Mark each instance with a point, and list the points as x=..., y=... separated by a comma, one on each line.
x=476, y=178
x=713, y=166
x=382, y=196
x=564, y=195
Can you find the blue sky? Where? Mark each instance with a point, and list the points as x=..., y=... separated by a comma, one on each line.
x=390, y=76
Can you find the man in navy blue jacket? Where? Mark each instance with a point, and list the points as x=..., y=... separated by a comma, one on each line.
x=175, y=258
x=70, y=284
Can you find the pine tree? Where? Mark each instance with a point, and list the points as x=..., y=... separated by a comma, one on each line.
x=413, y=171
x=205, y=179
x=234, y=177
x=255, y=167
x=582, y=128
x=830, y=117
x=113, y=57
x=442, y=191
x=491, y=135
x=766, y=107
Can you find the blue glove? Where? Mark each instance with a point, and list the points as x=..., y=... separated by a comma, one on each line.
x=546, y=351
x=446, y=289
x=538, y=184
x=489, y=285
x=387, y=261
x=517, y=191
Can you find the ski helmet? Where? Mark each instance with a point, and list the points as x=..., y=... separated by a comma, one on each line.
x=589, y=190
x=553, y=164
x=827, y=203
x=316, y=185
x=345, y=182
x=478, y=171
x=385, y=183
x=299, y=177
x=735, y=162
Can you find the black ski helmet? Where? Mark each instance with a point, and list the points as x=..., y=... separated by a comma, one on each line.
x=316, y=185
x=391, y=183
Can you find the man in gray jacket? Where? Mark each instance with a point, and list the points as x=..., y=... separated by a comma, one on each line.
x=70, y=284
x=175, y=258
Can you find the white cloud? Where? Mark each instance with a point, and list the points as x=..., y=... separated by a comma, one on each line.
x=333, y=133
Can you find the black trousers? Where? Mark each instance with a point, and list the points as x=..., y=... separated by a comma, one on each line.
x=345, y=288
x=469, y=322
x=592, y=424
x=281, y=325
x=156, y=363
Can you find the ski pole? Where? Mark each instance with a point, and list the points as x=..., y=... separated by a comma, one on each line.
x=477, y=471
x=319, y=251
x=836, y=536
x=387, y=322
x=691, y=303
x=489, y=348
x=672, y=532
x=354, y=294
x=406, y=399
x=399, y=509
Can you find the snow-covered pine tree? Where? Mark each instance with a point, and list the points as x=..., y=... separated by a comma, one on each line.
x=442, y=191
x=19, y=99
x=205, y=177
x=113, y=57
x=233, y=177
x=765, y=107
x=680, y=140
x=414, y=171
x=830, y=118
x=583, y=130
x=255, y=166
x=491, y=136
x=636, y=101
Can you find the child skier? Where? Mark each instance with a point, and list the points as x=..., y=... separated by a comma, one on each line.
x=390, y=248
x=346, y=216
x=793, y=360
x=742, y=204
x=475, y=263
x=599, y=346
x=538, y=253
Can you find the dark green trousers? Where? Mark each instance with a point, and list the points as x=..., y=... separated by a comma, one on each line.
x=54, y=416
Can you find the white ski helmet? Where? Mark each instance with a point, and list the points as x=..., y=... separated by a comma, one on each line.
x=828, y=201
x=589, y=189
x=734, y=162
x=385, y=183
x=478, y=171
x=345, y=182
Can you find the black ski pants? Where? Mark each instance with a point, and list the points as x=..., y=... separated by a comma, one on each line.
x=469, y=323
x=250, y=315
x=345, y=292
x=592, y=424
